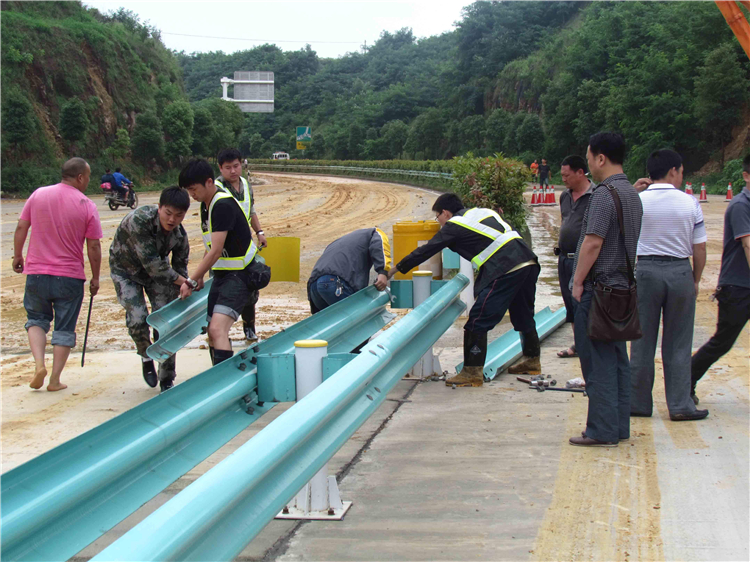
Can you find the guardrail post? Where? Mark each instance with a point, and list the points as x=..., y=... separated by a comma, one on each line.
x=467, y=295
x=319, y=498
x=428, y=364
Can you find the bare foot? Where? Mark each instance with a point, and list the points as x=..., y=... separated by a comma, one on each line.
x=53, y=387
x=38, y=381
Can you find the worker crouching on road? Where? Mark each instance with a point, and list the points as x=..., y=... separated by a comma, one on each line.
x=139, y=260
x=508, y=271
x=230, y=253
x=344, y=267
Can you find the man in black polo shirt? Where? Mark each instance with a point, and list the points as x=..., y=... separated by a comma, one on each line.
x=508, y=271
x=733, y=292
x=230, y=252
x=602, y=256
x=573, y=203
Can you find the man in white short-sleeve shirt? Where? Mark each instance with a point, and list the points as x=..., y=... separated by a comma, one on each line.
x=671, y=232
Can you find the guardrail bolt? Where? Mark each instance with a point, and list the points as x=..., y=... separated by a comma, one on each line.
x=242, y=366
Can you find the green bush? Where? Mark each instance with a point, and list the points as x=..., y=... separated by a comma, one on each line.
x=493, y=183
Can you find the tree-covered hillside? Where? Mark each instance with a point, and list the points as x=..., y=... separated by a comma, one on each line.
x=530, y=79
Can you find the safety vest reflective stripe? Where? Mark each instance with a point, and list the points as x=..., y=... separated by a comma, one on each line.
x=246, y=203
x=472, y=220
x=227, y=262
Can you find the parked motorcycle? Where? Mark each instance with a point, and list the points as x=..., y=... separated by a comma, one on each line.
x=115, y=200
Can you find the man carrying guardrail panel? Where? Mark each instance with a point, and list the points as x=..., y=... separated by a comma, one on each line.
x=230, y=253
x=139, y=262
x=508, y=271
x=232, y=182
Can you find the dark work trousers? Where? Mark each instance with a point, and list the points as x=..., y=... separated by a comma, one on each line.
x=248, y=313
x=513, y=292
x=565, y=274
x=663, y=286
x=734, y=312
x=606, y=370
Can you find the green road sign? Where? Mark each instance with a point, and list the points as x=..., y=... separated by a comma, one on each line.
x=304, y=136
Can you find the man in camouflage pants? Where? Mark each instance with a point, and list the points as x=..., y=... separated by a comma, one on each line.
x=139, y=261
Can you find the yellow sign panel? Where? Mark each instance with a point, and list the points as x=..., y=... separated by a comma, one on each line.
x=301, y=145
x=282, y=256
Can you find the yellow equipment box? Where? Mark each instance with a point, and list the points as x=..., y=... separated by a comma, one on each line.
x=282, y=256
x=407, y=237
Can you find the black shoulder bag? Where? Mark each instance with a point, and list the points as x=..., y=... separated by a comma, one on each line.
x=614, y=312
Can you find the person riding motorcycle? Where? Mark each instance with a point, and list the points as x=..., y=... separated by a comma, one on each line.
x=118, y=187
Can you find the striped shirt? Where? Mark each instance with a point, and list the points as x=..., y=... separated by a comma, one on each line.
x=672, y=222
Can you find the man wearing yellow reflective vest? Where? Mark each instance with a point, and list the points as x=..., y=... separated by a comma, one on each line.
x=508, y=271
x=232, y=182
x=230, y=253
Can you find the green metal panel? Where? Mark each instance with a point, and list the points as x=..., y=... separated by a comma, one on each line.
x=216, y=516
x=402, y=289
x=335, y=361
x=179, y=323
x=451, y=260
x=276, y=381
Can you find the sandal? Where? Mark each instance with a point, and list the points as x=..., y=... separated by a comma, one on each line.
x=566, y=354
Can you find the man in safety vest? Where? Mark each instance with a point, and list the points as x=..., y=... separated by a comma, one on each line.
x=508, y=271
x=232, y=182
x=230, y=252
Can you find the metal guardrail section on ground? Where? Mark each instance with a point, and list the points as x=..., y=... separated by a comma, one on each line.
x=506, y=349
x=414, y=173
x=219, y=514
x=178, y=323
x=56, y=504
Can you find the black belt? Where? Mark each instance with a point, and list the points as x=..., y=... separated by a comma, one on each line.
x=661, y=258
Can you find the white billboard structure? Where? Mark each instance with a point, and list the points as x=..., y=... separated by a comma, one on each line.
x=253, y=91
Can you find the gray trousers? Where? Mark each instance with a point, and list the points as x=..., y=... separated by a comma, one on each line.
x=664, y=288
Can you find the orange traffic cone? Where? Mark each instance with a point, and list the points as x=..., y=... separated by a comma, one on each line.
x=703, y=198
x=729, y=192
x=689, y=188
x=551, y=195
x=534, y=201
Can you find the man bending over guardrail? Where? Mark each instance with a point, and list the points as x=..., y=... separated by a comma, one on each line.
x=508, y=271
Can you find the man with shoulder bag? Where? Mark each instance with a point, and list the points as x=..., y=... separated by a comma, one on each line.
x=606, y=315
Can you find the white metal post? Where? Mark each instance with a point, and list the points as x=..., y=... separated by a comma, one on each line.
x=225, y=86
x=467, y=295
x=428, y=364
x=319, y=498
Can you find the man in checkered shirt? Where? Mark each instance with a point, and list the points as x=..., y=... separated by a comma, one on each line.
x=601, y=256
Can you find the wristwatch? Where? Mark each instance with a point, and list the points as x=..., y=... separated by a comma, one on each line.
x=193, y=284
x=259, y=232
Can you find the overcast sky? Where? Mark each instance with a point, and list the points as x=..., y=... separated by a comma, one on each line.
x=331, y=28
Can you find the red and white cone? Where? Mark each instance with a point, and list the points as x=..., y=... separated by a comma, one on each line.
x=534, y=201
x=703, y=197
x=551, y=196
x=729, y=193
x=689, y=188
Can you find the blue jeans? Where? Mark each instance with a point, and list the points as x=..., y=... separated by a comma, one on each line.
x=606, y=370
x=50, y=296
x=323, y=292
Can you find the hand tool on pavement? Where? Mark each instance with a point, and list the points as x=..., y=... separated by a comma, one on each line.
x=86, y=337
x=543, y=388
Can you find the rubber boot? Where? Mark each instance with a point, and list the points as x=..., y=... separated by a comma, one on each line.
x=221, y=355
x=530, y=363
x=475, y=352
x=149, y=373
x=166, y=378
x=211, y=354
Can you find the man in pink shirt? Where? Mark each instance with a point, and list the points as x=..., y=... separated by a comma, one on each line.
x=61, y=217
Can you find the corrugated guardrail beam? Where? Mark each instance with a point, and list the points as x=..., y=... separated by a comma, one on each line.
x=216, y=516
x=417, y=173
x=57, y=503
x=506, y=349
